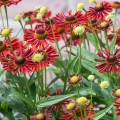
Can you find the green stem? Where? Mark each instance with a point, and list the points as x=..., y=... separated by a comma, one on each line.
x=6, y=16
x=2, y=17
x=21, y=25
x=26, y=82
x=106, y=37
x=56, y=42
x=77, y=89
x=9, y=40
x=70, y=44
x=30, y=23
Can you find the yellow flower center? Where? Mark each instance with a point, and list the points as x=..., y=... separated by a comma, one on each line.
x=118, y=92
x=82, y=100
x=38, y=57
x=104, y=25
x=74, y=79
x=5, y=32
x=40, y=116
x=70, y=106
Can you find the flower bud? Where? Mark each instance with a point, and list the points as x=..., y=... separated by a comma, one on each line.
x=6, y=32
x=26, y=19
x=39, y=16
x=80, y=6
x=91, y=77
x=92, y=1
x=4, y=105
x=82, y=100
x=40, y=116
x=17, y=17
x=71, y=106
x=104, y=84
x=79, y=30
x=43, y=10
x=109, y=16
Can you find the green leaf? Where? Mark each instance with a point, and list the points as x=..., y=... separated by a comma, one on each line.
x=46, y=102
x=22, y=97
x=102, y=113
x=91, y=67
x=2, y=74
x=91, y=38
x=112, y=45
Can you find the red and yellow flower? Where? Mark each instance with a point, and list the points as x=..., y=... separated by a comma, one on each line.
x=110, y=62
x=100, y=11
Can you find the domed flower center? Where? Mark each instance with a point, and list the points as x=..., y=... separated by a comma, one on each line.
x=70, y=19
x=2, y=46
x=41, y=34
x=99, y=7
x=20, y=60
x=117, y=92
x=61, y=30
x=4, y=0
x=93, y=21
x=112, y=60
x=40, y=116
x=104, y=25
x=70, y=106
x=74, y=79
x=39, y=56
x=47, y=22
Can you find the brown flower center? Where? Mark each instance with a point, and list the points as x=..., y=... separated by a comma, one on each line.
x=2, y=46
x=27, y=14
x=47, y=22
x=41, y=34
x=4, y=0
x=20, y=60
x=112, y=60
x=99, y=7
x=70, y=19
x=40, y=116
x=60, y=30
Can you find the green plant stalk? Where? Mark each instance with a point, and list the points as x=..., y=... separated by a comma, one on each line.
x=75, y=116
x=9, y=40
x=65, y=83
x=30, y=23
x=70, y=44
x=5, y=7
x=90, y=98
x=78, y=90
x=2, y=17
x=28, y=90
x=54, y=36
x=106, y=37
x=21, y=25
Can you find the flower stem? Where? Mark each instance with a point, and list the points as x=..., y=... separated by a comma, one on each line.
x=106, y=37
x=21, y=25
x=70, y=44
x=30, y=23
x=6, y=16
x=9, y=40
x=2, y=17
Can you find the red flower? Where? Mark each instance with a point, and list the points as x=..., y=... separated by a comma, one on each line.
x=100, y=10
x=110, y=62
x=60, y=105
x=15, y=43
x=19, y=60
x=44, y=56
x=117, y=40
x=70, y=20
x=117, y=112
x=40, y=36
x=117, y=103
x=9, y=2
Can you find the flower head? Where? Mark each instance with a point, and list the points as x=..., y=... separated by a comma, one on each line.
x=6, y=32
x=74, y=79
x=91, y=77
x=79, y=30
x=104, y=84
x=116, y=5
x=9, y=2
x=110, y=62
x=80, y=6
x=116, y=92
x=100, y=11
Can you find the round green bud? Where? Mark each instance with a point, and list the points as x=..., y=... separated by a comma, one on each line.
x=80, y=6
x=17, y=17
x=79, y=30
x=91, y=77
x=104, y=84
